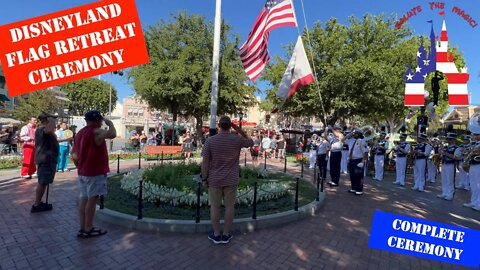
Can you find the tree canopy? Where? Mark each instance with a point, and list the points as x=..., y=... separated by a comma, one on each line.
x=179, y=74
x=34, y=103
x=89, y=94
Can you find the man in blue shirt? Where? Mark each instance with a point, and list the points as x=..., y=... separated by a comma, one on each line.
x=64, y=142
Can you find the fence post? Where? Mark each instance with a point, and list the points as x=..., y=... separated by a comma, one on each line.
x=322, y=178
x=254, y=204
x=296, y=193
x=318, y=187
x=118, y=163
x=301, y=172
x=285, y=165
x=139, y=160
x=48, y=189
x=162, y=158
x=171, y=158
x=197, y=214
x=102, y=202
x=265, y=165
x=140, y=200
x=245, y=158
x=158, y=159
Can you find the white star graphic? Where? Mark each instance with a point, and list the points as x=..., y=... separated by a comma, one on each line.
x=409, y=77
x=418, y=69
x=426, y=62
x=419, y=54
x=425, y=76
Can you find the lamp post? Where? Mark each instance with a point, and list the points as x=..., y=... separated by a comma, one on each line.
x=119, y=73
x=240, y=119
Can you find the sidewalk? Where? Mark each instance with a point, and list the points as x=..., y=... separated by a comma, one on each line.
x=337, y=238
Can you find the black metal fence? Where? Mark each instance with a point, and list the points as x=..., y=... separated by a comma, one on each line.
x=256, y=188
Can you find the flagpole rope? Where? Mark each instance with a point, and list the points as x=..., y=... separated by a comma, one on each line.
x=313, y=62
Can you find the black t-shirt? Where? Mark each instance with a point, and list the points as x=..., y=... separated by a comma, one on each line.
x=46, y=147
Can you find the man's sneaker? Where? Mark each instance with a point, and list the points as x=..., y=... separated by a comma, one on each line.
x=359, y=193
x=34, y=175
x=468, y=205
x=476, y=208
x=334, y=184
x=26, y=176
x=352, y=191
x=402, y=185
x=421, y=190
x=448, y=198
x=215, y=239
x=441, y=196
x=414, y=188
x=226, y=238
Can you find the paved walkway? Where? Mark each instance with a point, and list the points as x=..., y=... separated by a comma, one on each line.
x=337, y=238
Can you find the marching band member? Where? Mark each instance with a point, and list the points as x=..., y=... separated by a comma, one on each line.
x=356, y=161
x=312, y=150
x=336, y=156
x=463, y=175
x=474, y=171
x=422, y=151
x=322, y=155
x=380, y=151
x=401, y=151
x=431, y=166
x=345, y=152
x=450, y=155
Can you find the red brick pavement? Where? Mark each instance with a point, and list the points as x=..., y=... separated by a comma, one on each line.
x=337, y=238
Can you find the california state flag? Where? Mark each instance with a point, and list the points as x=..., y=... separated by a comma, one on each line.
x=298, y=74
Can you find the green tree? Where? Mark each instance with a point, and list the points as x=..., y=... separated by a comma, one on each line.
x=179, y=74
x=34, y=103
x=89, y=94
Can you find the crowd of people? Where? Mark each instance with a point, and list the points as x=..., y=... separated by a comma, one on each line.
x=346, y=151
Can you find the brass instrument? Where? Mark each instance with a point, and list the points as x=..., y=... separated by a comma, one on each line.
x=474, y=153
x=368, y=133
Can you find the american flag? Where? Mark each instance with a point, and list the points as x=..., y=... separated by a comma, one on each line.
x=415, y=77
x=254, y=52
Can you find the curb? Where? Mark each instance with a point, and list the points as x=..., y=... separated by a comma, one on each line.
x=189, y=226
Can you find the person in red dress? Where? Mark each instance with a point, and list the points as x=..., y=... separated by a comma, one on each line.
x=27, y=136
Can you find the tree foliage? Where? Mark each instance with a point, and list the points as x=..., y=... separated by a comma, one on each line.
x=89, y=94
x=34, y=103
x=179, y=74
x=360, y=69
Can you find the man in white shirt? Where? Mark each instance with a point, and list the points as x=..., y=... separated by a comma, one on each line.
x=380, y=151
x=336, y=156
x=357, y=159
x=401, y=151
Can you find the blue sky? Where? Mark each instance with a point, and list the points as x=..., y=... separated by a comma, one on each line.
x=242, y=14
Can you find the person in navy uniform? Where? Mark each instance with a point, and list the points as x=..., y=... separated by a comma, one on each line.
x=336, y=156
x=463, y=175
x=356, y=162
x=451, y=154
x=322, y=155
x=401, y=152
x=474, y=171
x=345, y=151
x=422, y=152
x=380, y=150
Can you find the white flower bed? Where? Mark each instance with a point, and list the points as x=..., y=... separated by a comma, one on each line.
x=165, y=195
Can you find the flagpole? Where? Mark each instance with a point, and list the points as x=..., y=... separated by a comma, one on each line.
x=313, y=64
x=215, y=67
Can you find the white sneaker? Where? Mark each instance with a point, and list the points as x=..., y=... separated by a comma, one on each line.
x=414, y=188
x=396, y=183
x=468, y=205
x=448, y=198
x=359, y=193
x=476, y=208
x=441, y=196
x=34, y=175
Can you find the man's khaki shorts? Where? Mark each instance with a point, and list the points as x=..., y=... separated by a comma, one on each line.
x=228, y=194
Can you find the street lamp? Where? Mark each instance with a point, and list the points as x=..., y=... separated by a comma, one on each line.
x=240, y=118
x=120, y=73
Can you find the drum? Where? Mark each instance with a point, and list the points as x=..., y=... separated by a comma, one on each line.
x=68, y=134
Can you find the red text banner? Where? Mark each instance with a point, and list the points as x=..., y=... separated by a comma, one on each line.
x=70, y=45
